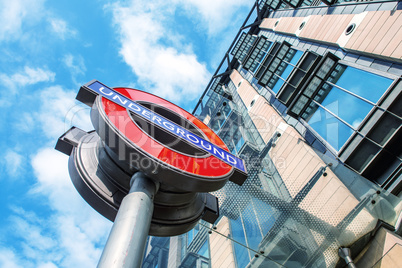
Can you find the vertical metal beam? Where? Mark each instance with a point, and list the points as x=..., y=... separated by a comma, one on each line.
x=255, y=5
x=126, y=243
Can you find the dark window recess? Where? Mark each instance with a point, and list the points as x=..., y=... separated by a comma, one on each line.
x=330, y=2
x=217, y=86
x=256, y=54
x=274, y=63
x=384, y=129
x=243, y=46
x=298, y=77
x=301, y=104
x=362, y=155
x=298, y=3
x=271, y=4
x=350, y=28
x=235, y=50
x=378, y=154
x=396, y=106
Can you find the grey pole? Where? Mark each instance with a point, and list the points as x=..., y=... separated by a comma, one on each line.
x=126, y=243
x=345, y=254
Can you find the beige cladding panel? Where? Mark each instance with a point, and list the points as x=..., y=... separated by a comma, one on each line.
x=383, y=16
x=265, y=118
x=377, y=32
x=390, y=34
x=330, y=26
x=221, y=246
x=245, y=90
x=391, y=48
x=289, y=25
x=268, y=23
x=382, y=32
x=333, y=203
x=311, y=27
x=302, y=174
x=385, y=251
x=236, y=77
x=342, y=24
x=362, y=30
x=326, y=25
x=283, y=24
x=398, y=51
x=298, y=164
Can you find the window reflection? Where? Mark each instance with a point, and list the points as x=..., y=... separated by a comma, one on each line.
x=241, y=252
x=343, y=101
x=204, y=250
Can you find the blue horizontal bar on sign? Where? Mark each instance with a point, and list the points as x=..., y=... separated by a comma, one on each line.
x=167, y=125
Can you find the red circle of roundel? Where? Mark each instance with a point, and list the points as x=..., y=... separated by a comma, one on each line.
x=208, y=166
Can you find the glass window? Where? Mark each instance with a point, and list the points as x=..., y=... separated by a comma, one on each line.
x=343, y=101
x=241, y=252
x=238, y=145
x=251, y=227
x=280, y=68
x=191, y=234
x=204, y=250
x=330, y=128
x=265, y=215
x=367, y=85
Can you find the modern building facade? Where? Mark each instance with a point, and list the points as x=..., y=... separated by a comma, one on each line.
x=310, y=95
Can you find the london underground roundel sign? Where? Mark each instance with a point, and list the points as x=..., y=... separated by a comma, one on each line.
x=159, y=138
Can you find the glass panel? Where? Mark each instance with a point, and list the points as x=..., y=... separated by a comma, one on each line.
x=204, y=250
x=368, y=85
x=301, y=102
x=325, y=67
x=265, y=213
x=251, y=226
x=312, y=87
x=241, y=252
x=347, y=107
x=289, y=212
x=284, y=69
x=296, y=57
x=294, y=209
x=277, y=86
x=287, y=71
x=329, y=127
x=239, y=144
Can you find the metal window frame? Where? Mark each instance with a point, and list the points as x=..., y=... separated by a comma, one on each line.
x=272, y=55
x=312, y=75
x=307, y=74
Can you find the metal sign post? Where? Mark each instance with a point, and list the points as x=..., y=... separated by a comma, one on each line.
x=148, y=166
x=127, y=239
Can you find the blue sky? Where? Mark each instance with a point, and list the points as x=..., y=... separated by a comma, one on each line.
x=50, y=48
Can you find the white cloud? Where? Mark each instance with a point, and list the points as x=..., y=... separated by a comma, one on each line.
x=36, y=239
x=14, y=14
x=13, y=162
x=25, y=122
x=157, y=52
x=28, y=76
x=77, y=227
x=76, y=66
x=61, y=29
x=172, y=72
x=47, y=265
x=216, y=14
x=59, y=111
x=9, y=259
